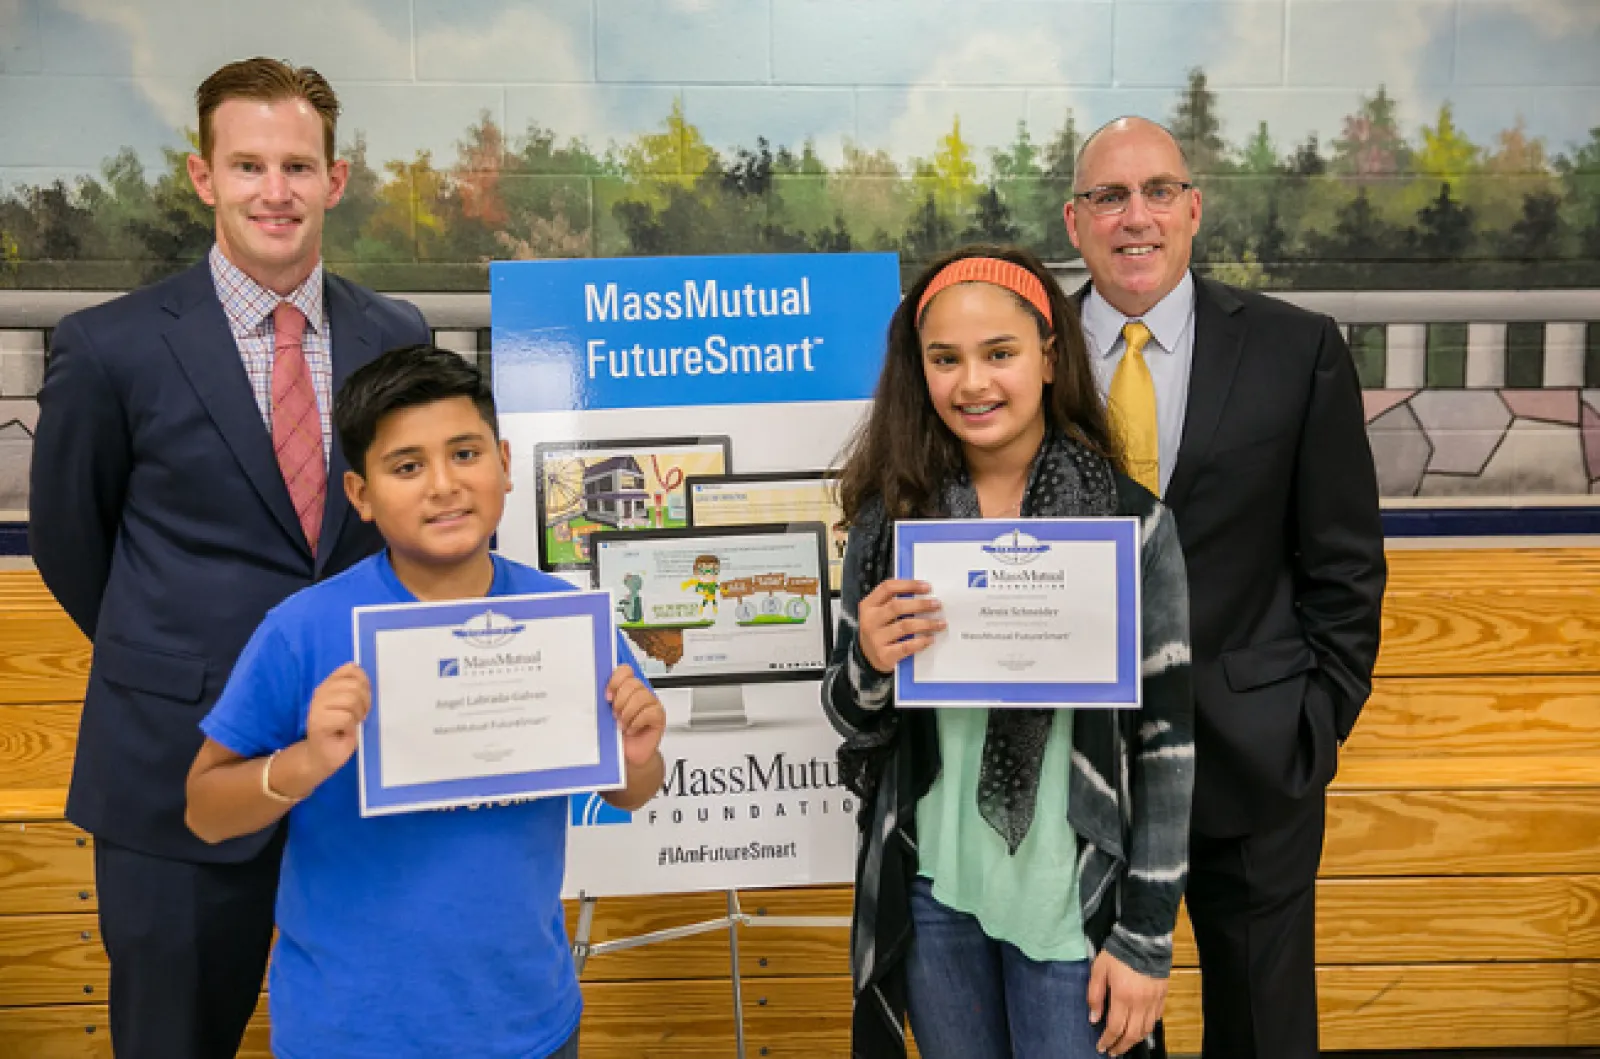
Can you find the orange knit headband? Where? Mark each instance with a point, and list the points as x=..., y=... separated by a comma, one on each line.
x=1014, y=278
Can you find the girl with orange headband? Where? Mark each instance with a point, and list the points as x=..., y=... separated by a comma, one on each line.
x=1019, y=871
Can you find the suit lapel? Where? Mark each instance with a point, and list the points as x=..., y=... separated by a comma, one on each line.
x=355, y=342
x=1218, y=343
x=203, y=345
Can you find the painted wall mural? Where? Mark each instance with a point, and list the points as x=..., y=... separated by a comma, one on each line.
x=1412, y=145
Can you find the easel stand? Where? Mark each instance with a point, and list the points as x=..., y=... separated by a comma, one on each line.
x=736, y=918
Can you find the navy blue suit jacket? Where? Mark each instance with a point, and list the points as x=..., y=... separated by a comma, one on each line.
x=160, y=521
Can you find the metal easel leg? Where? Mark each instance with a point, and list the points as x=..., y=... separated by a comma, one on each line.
x=734, y=919
x=580, y=943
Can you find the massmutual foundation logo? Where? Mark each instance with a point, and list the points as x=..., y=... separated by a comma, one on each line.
x=1014, y=549
x=488, y=630
x=1017, y=551
x=592, y=810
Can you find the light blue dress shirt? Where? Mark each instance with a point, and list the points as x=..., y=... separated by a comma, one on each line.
x=1169, y=353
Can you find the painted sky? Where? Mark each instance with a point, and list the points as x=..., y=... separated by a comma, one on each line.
x=81, y=78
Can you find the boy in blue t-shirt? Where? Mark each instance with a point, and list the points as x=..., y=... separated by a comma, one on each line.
x=422, y=934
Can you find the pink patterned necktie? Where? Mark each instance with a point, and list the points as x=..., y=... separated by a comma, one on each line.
x=296, y=423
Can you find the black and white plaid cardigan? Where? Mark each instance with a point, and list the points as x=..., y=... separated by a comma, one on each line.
x=1128, y=801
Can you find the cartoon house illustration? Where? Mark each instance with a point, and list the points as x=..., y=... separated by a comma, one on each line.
x=614, y=493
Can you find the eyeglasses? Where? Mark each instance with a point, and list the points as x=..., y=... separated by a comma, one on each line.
x=1107, y=199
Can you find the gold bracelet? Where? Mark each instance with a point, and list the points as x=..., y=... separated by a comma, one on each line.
x=266, y=782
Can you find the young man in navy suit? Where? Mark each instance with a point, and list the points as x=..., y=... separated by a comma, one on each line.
x=179, y=491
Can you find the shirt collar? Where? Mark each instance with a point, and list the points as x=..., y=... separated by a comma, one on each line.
x=1168, y=320
x=248, y=304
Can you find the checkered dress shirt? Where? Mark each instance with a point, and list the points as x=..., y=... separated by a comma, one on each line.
x=248, y=306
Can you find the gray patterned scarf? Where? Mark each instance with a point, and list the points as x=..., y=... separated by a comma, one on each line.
x=1066, y=480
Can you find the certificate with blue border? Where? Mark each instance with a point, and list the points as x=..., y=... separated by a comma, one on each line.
x=1040, y=612
x=487, y=700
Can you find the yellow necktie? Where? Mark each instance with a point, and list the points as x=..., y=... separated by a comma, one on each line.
x=1133, y=408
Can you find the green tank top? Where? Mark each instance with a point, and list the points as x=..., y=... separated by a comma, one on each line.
x=1030, y=899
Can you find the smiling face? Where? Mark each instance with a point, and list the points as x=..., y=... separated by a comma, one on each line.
x=1138, y=256
x=270, y=181
x=986, y=369
x=435, y=483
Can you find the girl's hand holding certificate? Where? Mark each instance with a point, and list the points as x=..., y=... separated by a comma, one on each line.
x=897, y=619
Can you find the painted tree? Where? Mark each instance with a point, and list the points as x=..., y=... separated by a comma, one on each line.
x=1580, y=178
x=675, y=156
x=1371, y=144
x=991, y=221
x=1516, y=152
x=346, y=238
x=1359, y=234
x=1260, y=155
x=1060, y=163
x=868, y=191
x=1537, y=235
x=950, y=177
x=1197, y=127
x=1021, y=187
x=1307, y=160
x=408, y=216
x=1446, y=155
x=1444, y=227
x=181, y=227
x=799, y=196
x=476, y=176
x=927, y=235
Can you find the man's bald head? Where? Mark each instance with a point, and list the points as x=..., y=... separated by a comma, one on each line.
x=1137, y=237
x=1128, y=124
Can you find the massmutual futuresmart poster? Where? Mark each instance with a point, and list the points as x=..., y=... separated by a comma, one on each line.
x=674, y=424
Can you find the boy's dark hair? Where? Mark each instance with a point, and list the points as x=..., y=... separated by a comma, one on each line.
x=904, y=453
x=404, y=378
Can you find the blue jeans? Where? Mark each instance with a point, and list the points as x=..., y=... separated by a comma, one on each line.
x=971, y=997
x=568, y=1050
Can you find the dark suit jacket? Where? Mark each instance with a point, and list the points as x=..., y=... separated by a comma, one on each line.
x=1276, y=500
x=160, y=521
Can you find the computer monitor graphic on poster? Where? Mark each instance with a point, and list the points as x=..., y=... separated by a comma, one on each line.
x=588, y=487
x=773, y=496
x=714, y=609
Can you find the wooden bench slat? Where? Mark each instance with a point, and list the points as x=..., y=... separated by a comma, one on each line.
x=1499, y=1005
x=1525, y=832
x=1504, y=569
x=1465, y=633
x=1478, y=716
x=1432, y=717
x=37, y=741
x=45, y=868
x=33, y=805
x=1359, y=921
x=1415, y=920
x=1446, y=773
x=51, y=960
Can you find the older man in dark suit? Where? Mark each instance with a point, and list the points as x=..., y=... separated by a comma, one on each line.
x=180, y=489
x=1244, y=414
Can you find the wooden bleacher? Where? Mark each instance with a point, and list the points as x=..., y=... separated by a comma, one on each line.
x=1459, y=904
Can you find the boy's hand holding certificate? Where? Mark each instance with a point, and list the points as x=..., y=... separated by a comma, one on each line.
x=492, y=699
x=1032, y=612
x=333, y=723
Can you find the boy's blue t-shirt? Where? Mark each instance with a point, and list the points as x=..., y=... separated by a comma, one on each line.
x=420, y=934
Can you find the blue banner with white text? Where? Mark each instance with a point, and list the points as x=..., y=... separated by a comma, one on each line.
x=673, y=331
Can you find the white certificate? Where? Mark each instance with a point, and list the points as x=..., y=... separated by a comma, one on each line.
x=1039, y=612
x=487, y=700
